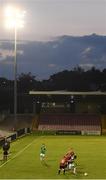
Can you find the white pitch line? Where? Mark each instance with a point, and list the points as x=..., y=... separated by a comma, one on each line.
x=18, y=153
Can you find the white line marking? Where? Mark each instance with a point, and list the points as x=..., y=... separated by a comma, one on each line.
x=19, y=152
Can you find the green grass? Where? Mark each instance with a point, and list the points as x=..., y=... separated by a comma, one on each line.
x=24, y=163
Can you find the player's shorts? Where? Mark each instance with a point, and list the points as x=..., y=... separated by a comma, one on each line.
x=71, y=165
x=63, y=166
x=42, y=155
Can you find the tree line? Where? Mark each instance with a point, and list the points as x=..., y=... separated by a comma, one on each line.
x=69, y=80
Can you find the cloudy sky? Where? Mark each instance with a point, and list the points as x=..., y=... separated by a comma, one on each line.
x=49, y=18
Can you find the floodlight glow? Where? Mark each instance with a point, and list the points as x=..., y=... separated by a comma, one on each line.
x=14, y=17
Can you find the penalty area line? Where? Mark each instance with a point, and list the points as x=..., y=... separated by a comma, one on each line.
x=20, y=152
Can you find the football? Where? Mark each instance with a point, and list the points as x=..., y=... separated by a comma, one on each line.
x=85, y=174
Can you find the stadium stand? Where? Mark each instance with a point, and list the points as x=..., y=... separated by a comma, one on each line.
x=69, y=122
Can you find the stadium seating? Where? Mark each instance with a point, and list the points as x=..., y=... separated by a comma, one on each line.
x=69, y=122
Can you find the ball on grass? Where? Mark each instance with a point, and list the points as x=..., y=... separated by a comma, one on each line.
x=85, y=174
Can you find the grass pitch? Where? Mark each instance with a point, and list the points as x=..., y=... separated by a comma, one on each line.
x=24, y=163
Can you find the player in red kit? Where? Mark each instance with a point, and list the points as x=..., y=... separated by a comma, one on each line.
x=70, y=157
x=63, y=165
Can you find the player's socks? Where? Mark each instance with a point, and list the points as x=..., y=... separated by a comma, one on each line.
x=41, y=158
x=59, y=171
x=74, y=171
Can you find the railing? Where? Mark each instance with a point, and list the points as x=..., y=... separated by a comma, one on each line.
x=16, y=135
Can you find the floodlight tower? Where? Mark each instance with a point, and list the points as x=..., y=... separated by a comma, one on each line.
x=14, y=20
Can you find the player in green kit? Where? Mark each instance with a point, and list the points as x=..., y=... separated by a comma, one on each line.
x=42, y=152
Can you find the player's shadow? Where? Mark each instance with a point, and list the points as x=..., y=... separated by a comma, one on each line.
x=80, y=173
x=45, y=164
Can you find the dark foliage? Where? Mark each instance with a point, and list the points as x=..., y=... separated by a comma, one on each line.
x=73, y=80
